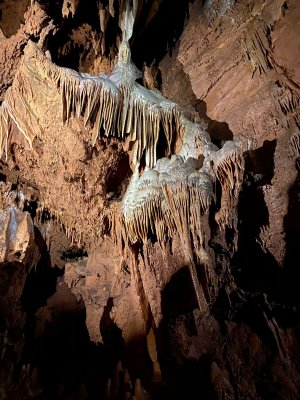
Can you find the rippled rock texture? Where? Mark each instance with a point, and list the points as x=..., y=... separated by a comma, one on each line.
x=149, y=199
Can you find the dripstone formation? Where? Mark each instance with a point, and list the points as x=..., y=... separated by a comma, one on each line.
x=136, y=257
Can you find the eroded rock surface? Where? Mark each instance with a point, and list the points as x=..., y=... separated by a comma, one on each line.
x=149, y=232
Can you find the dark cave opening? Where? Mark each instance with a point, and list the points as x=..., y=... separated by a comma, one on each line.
x=31, y=207
x=57, y=344
x=73, y=253
x=61, y=353
x=156, y=32
x=162, y=148
x=112, y=336
x=186, y=380
x=65, y=52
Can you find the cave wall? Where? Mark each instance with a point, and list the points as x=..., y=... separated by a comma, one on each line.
x=86, y=314
x=239, y=72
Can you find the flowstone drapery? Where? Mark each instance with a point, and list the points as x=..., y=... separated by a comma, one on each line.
x=166, y=197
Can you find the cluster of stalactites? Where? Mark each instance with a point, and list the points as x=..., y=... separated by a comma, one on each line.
x=166, y=199
x=228, y=166
x=169, y=200
x=144, y=113
x=174, y=198
x=294, y=145
x=95, y=98
x=174, y=195
x=115, y=105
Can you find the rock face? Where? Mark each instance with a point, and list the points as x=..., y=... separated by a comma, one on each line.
x=149, y=233
x=240, y=75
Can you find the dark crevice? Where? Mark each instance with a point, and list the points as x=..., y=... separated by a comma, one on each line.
x=41, y=281
x=73, y=253
x=292, y=239
x=174, y=304
x=112, y=337
x=87, y=13
x=117, y=177
x=255, y=269
x=186, y=376
x=156, y=31
x=219, y=131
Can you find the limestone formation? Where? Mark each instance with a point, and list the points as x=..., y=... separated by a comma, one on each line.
x=167, y=200
x=149, y=199
x=116, y=105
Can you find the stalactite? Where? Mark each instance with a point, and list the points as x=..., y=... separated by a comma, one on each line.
x=294, y=144
x=4, y=129
x=141, y=206
x=144, y=111
x=256, y=45
x=69, y=7
x=175, y=196
x=201, y=195
x=228, y=166
x=288, y=102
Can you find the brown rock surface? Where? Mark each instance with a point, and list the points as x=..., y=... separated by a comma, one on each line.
x=96, y=295
x=11, y=46
x=240, y=73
